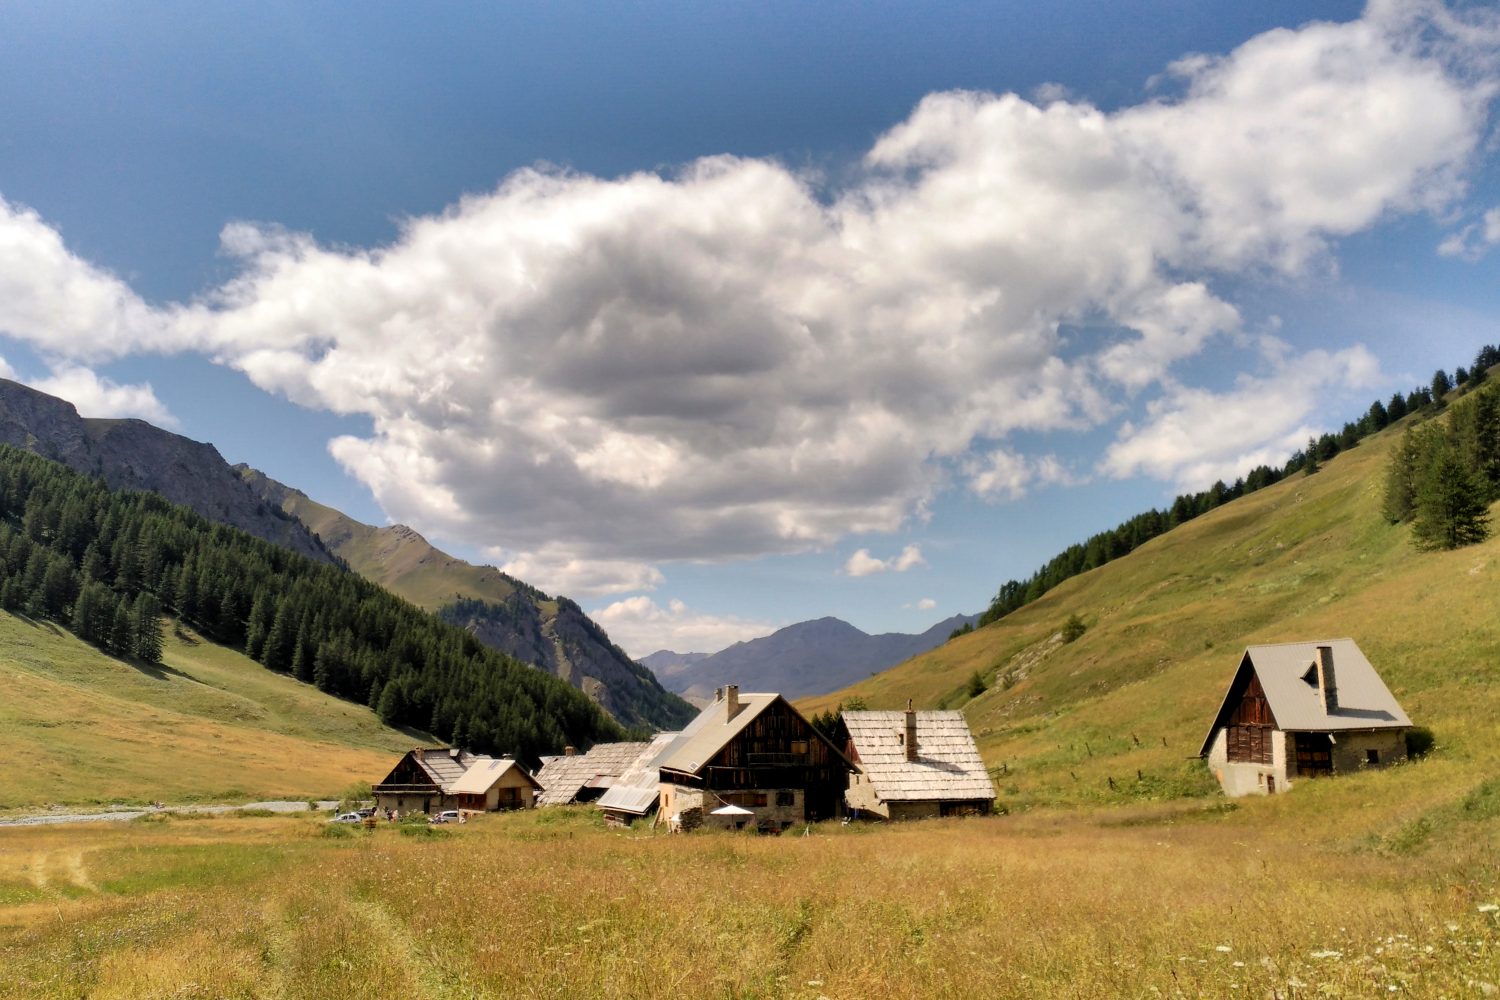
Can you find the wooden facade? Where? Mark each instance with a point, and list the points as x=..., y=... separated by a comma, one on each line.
x=1250, y=726
x=774, y=764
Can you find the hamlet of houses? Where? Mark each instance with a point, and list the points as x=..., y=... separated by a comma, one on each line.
x=1292, y=711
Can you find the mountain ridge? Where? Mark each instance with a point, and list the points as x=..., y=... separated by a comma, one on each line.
x=801, y=660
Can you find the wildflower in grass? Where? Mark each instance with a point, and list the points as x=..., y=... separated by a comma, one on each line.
x=1327, y=953
x=1488, y=907
x=1223, y=948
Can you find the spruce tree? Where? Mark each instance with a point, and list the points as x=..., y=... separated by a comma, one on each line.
x=1310, y=464
x=1451, y=507
x=146, y=626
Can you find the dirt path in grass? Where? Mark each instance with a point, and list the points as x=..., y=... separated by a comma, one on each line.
x=45, y=817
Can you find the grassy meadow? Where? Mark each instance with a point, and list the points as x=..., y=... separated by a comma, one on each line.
x=207, y=724
x=1305, y=896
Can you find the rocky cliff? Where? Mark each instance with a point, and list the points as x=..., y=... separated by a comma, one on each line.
x=135, y=455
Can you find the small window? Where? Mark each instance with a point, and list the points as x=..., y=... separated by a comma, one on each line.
x=1372, y=756
x=786, y=798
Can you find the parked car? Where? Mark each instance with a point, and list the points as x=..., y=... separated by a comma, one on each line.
x=366, y=812
x=347, y=818
x=446, y=816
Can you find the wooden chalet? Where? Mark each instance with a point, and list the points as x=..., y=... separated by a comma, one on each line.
x=423, y=780
x=490, y=785
x=1299, y=710
x=914, y=765
x=576, y=777
x=755, y=752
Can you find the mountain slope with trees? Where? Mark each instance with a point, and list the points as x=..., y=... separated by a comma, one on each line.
x=108, y=563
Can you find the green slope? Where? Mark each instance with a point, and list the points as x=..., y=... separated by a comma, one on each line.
x=1130, y=701
x=78, y=726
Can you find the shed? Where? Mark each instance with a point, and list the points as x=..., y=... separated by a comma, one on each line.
x=1299, y=710
x=637, y=790
x=915, y=764
x=576, y=777
x=489, y=785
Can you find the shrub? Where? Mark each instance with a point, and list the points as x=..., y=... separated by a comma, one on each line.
x=1073, y=629
x=1419, y=742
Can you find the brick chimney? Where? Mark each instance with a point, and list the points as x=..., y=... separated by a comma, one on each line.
x=911, y=732
x=731, y=701
x=570, y=751
x=1328, y=685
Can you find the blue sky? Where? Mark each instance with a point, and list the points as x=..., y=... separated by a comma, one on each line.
x=721, y=317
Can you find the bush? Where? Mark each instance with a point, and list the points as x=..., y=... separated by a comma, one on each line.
x=976, y=685
x=1073, y=629
x=423, y=829
x=1419, y=742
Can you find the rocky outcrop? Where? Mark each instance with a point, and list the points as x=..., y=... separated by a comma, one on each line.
x=135, y=455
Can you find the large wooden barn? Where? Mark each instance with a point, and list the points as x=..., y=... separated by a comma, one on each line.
x=754, y=753
x=423, y=779
x=1299, y=710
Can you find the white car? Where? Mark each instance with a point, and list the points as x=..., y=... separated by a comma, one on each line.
x=446, y=816
x=347, y=818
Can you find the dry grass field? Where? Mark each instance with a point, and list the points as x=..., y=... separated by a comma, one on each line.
x=208, y=724
x=1195, y=899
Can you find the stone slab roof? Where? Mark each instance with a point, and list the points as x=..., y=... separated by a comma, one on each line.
x=562, y=778
x=636, y=790
x=947, y=766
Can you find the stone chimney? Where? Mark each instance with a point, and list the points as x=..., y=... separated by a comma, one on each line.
x=911, y=732
x=718, y=695
x=1328, y=685
x=731, y=701
x=570, y=751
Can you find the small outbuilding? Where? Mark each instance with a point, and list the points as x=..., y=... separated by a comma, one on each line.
x=576, y=777
x=1299, y=710
x=915, y=764
x=637, y=790
x=490, y=785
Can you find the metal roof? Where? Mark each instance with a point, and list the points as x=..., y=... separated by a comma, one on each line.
x=947, y=766
x=484, y=773
x=1288, y=674
x=635, y=791
x=564, y=777
x=701, y=739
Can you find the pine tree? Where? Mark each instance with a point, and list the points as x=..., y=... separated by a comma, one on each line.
x=121, y=635
x=1441, y=386
x=146, y=626
x=1310, y=464
x=1451, y=508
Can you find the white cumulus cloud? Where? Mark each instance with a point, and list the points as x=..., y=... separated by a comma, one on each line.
x=1192, y=437
x=640, y=626
x=98, y=396
x=728, y=361
x=861, y=563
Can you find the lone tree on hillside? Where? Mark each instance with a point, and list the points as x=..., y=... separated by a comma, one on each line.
x=1311, y=465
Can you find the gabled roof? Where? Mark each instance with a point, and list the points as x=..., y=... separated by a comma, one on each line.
x=702, y=739
x=948, y=765
x=442, y=765
x=483, y=774
x=1288, y=675
x=564, y=777
x=635, y=791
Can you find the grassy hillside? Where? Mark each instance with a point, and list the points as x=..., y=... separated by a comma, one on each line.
x=78, y=726
x=1132, y=698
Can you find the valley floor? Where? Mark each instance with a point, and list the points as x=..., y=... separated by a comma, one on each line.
x=1202, y=898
